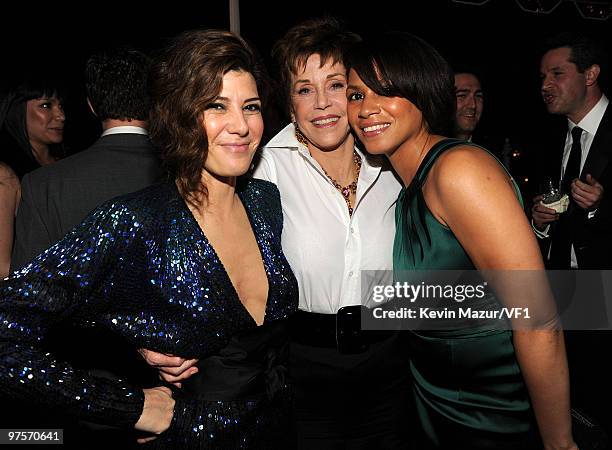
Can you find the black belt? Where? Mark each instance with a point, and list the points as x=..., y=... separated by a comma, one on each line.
x=341, y=331
x=252, y=364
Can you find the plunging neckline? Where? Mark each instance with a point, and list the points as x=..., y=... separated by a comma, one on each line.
x=228, y=279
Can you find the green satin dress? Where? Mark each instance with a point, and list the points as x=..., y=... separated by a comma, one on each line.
x=468, y=387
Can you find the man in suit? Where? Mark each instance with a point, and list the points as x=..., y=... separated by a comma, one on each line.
x=57, y=197
x=580, y=238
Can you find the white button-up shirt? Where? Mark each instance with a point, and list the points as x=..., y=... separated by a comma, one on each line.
x=326, y=248
x=589, y=124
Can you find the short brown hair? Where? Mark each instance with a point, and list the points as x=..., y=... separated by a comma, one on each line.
x=184, y=80
x=324, y=36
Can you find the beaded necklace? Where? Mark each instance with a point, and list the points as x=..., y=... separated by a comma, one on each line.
x=351, y=188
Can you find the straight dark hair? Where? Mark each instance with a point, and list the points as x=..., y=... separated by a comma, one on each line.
x=399, y=64
x=460, y=69
x=116, y=84
x=585, y=51
x=13, y=122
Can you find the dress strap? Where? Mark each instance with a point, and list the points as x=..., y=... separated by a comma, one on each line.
x=432, y=155
x=437, y=150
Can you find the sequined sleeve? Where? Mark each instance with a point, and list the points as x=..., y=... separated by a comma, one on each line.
x=267, y=193
x=66, y=283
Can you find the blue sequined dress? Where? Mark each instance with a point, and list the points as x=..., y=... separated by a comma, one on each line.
x=140, y=266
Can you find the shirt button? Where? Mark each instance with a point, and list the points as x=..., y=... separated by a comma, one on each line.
x=352, y=230
x=350, y=274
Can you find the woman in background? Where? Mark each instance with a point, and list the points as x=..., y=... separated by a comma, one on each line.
x=31, y=135
x=32, y=124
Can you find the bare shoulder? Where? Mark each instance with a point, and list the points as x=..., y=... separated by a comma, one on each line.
x=467, y=167
x=468, y=158
x=8, y=176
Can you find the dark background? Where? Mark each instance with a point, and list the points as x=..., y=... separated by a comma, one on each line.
x=498, y=38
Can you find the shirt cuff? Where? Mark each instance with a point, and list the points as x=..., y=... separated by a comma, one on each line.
x=541, y=234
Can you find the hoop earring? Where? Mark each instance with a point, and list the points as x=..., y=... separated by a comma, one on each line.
x=300, y=136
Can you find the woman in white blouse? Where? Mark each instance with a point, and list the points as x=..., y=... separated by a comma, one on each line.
x=338, y=207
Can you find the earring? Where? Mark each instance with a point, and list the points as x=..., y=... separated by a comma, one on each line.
x=300, y=136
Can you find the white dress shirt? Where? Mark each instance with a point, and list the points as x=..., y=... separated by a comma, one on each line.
x=124, y=129
x=589, y=124
x=326, y=248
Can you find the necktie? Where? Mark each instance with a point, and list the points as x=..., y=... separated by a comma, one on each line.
x=572, y=168
x=560, y=252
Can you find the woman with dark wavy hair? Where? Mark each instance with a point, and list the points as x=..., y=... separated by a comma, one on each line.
x=191, y=267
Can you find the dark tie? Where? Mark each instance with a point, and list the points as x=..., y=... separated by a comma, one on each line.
x=563, y=233
x=572, y=168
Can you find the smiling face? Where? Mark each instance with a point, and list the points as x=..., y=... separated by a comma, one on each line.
x=468, y=93
x=564, y=88
x=45, y=122
x=382, y=123
x=318, y=103
x=233, y=125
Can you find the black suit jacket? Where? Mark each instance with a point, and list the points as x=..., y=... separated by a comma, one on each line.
x=57, y=197
x=581, y=293
x=592, y=238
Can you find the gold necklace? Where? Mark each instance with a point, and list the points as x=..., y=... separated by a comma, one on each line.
x=351, y=188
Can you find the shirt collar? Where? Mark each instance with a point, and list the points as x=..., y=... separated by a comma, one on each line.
x=590, y=122
x=286, y=139
x=124, y=129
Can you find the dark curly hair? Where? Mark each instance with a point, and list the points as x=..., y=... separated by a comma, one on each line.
x=184, y=80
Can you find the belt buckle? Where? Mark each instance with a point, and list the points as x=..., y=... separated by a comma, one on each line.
x=349, y=336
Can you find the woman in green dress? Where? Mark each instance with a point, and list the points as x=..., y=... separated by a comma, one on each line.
x=474, y=387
